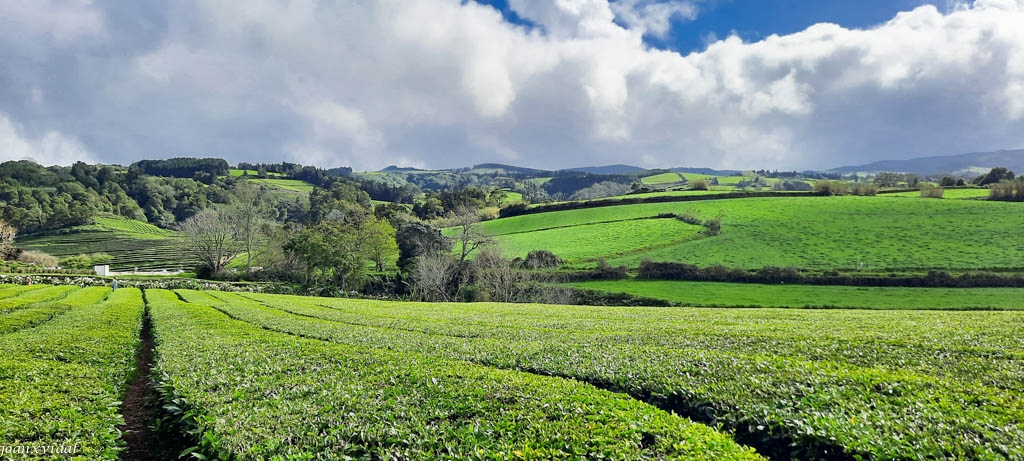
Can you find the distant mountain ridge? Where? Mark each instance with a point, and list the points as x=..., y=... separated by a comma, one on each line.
x=969, y=164
x=607, y=169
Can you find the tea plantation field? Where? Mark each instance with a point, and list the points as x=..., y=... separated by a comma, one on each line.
x=131, y=243
x=284, y=377
x=870, y=233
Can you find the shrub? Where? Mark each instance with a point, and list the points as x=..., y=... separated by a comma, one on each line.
x=690, y=217
x=863, y=188
x=85, y=261
x=38, y=258
x=699, y=184
x=713, y=226
x=831, y=188
x=930, y=191
x=1007, y=190
x=668, y=271
x=541, y=259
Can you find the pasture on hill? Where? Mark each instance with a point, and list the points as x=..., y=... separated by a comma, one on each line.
x=664, y=178
x=848, y=232
x=131, y=243
x=290, y=185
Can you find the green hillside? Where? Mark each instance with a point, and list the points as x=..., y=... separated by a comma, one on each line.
x=664, y=178
x=873, y=233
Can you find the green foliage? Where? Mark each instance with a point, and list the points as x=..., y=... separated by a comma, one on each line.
x=337, y=252
x=30, y=297
x=64, y=379
x=994, y=176
x=878, y=385
x=85, y=261
x=276, y=396
x=342, y=201
x=181, y=167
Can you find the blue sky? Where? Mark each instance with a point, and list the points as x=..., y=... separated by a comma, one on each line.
x=754, y=20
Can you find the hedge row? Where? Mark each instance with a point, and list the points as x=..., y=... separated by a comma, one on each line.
x=775, y=274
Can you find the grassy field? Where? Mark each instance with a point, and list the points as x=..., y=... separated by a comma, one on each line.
x=131, y=243
x=947, y=194
x=754, y=295
x=252, y=173
x=874, y=233
x=608, y=239
x=291, y=185
x=664, y=178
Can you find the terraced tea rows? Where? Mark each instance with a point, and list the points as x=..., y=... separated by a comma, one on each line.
x=886, y=385
x=278, y=396
x=61, y=381
x=129, y=250
x=301, y=378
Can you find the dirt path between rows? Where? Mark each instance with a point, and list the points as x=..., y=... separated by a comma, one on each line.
x=139, y=412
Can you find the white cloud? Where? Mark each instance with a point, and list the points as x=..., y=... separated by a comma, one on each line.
x=52, y=148
x=651, y=16
x=451, y=83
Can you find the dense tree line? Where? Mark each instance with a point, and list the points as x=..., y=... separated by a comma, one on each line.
x=182, y=167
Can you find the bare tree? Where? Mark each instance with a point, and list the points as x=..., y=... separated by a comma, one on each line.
x=7, y=234
x=248, y=213
x=210, y=238
x=435, y=276
x=501, y=277
x=469, y=238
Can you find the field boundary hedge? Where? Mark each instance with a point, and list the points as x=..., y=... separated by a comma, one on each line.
x=772, y=274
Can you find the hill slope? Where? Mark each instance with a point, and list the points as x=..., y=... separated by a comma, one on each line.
x=973, y=163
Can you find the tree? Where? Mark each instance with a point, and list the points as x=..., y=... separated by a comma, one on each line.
x=380, y=242
x=7, y=235
x=888, y=179
x=436, y=276
x=249, y=213
x=210, y=239
x=502, y=279
x=994, y=176
x=947, y=181
x=469, y=237
x=333, y=251
x=417, y=239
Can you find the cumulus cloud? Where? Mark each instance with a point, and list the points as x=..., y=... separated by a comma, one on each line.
x=445, y=83
x=50, y=148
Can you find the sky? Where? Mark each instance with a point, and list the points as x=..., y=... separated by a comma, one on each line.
x=742, y=84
